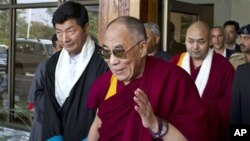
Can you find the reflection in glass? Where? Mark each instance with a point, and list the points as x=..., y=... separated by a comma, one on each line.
x=4, y=45
x=93, y=21
x=34, y=1
x=33, y=45
x=4, y=1
x=181, y=22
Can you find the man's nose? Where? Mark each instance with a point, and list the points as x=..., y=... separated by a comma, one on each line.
x=195, y=44
x=65, y=37
x=113, y=60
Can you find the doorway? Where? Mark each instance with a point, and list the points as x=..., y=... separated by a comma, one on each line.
x=182, y=14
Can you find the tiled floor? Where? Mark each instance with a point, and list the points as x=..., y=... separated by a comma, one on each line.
x=7, y=134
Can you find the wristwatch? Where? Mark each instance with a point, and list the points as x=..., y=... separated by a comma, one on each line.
x=162, y=129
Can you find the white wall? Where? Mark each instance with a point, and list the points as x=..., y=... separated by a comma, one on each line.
x=241, y=11
x=224, y=10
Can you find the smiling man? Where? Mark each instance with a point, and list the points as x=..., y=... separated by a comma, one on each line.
x=69, y=75
x=139, y=99
x=218, y=40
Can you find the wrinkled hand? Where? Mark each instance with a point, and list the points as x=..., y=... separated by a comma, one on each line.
x=143, y=107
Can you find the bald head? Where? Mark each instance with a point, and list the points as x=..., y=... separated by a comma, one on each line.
x=199, y=26
x=133, y=25
x=197, y=40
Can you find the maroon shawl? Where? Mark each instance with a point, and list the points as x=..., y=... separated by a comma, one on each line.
x=173, y=97
x=217, y=97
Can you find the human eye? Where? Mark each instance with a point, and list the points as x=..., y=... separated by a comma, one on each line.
x=71, y=31
x=201, y=42
x=58, y=33
x=190, y=41
x=245, y=37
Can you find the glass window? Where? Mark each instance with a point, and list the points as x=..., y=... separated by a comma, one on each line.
x=34, y=1
x=33, y=34
x=4, y=45
x=32, y=43
x=93, y=12
x=4, y=1
x=181, y=22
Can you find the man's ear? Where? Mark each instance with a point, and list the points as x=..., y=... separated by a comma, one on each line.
x=157, y=39
x=86, y=28
x=143, y=48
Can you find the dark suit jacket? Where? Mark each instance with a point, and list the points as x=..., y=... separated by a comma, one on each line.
x=163, y=55
x=237, y=48
x=229, y=53
x=176, y=48
x=241, y=96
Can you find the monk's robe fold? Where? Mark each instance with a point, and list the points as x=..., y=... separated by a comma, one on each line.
x=174, y=98
x=217, y=96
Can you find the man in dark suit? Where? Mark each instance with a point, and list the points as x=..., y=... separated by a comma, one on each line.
x=218, y=36
x=231, y=27
x=174, y=47
x=241, y=96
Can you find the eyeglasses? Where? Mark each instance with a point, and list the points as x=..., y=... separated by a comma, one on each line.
x=118, y=53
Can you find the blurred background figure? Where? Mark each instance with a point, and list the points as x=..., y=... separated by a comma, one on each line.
x=153, y=41
x=240, y=114
x=36, y=94
x=174, y=47
x=244, y=56
x=57, y=45
x=231, y=28
x=218, y=39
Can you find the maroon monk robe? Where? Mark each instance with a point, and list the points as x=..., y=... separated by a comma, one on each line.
x=174, y=98
x=217, y=96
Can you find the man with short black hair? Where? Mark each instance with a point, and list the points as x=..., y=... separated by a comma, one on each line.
x=69, y=75
x=231, y=27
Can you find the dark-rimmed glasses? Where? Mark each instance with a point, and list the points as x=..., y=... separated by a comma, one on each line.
x=118, y=53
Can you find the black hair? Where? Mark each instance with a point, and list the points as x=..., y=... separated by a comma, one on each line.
x=171, y=27
x=71, y=10
x=54, y=39
x=234, y=23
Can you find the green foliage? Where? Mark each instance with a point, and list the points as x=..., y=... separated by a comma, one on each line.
x=93, y=22
x=4, y=27
x=41, y=31
x=22, y=113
